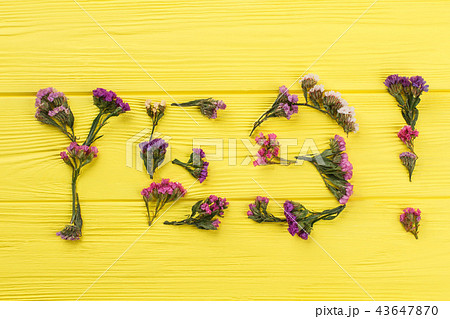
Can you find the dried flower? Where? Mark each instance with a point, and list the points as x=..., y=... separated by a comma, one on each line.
x=301, y=220
x=204, y=213
x=409, y=161
x=208, y=107
x=109, y=105
x=268, y=153
x=285, y=105
x=407, y=93
x=70, y=232
x=52, y=108
x=162, y=193
x=156, y=111
x=308, y=82
x=258, y=211
x=407, y=135
x=196, y=165
x=153, y=154
x=410, y=220
x=334, y=168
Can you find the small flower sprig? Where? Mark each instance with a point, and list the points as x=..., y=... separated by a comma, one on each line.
x=76, y=157
x=328, y=102
x=407, y=92
x=161, y=193
x=109, y=105
x=153, y=153
x=204, y=213
x=52, y=108
x=208, y=107
x=410, y=220
x=300, y=220
x=269, y=150
x=258, y=211
x=196, y=165
x=334, y=168
x=285, y=105
x=156, y=111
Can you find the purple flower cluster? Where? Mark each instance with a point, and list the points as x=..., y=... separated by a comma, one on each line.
x=109, y=101
x=401, y=84
x=70, y=232
x=196, y=166
x=153, y=154
x=294, y=228
x=212, y=112
x=269, y=150
x=410, y=220
x=58, y=109
x=288, y=102
x=49, y=95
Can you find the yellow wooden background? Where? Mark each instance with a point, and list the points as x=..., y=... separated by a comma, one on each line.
x=238, y=51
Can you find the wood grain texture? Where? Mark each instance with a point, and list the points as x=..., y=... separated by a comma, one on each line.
x=239, y=52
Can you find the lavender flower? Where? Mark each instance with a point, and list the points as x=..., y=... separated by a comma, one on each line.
x=52, y=108
x=285, y=105
x=109, y=105
x=204, y=213
x=196, y=165
x=153, y=154
x=410, y=220
x=407, y=92
x=208, y=107
x=408, y=160
x=334, y=168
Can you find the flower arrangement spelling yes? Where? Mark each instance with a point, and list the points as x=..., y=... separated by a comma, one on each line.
x=329, y=102
x=407, y=92
x=300, y=219
x=53, y=109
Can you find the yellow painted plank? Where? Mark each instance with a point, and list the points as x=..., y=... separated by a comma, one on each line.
x=240, y=52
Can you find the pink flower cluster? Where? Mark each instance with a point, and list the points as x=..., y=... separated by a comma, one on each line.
x=214, y=205
x=340, y=142
x=410, y=220
x=166, y=187
x=58, y=109
x=259, y=201
x=346, y=166
x=348, y=192
x=81, y=152
x=270, y=148
x=49, y=94
x=407, y=134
